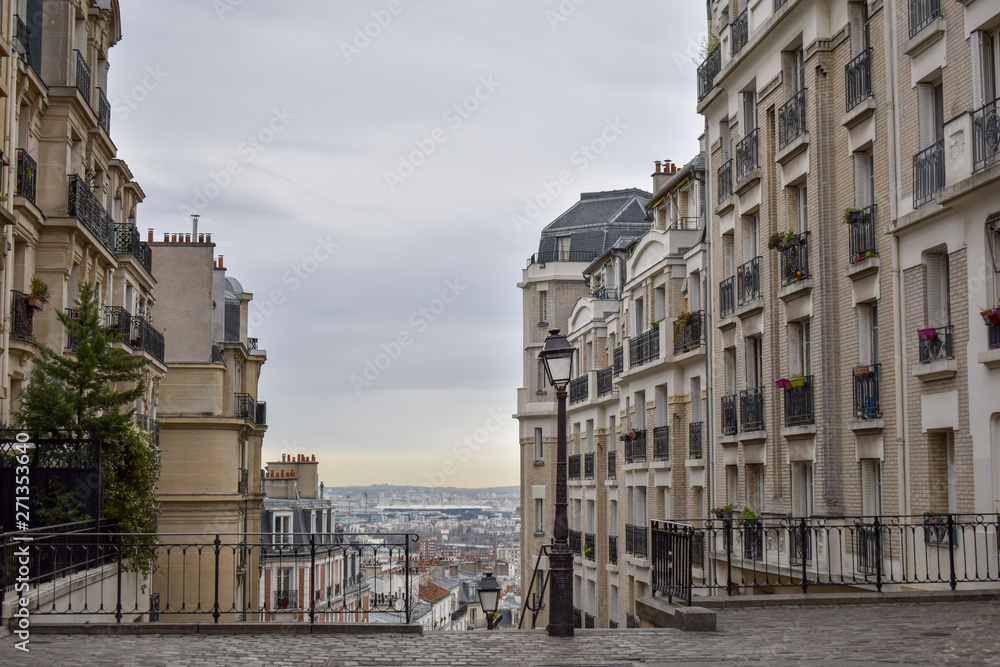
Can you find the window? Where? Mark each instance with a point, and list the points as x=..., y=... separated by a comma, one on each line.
x=613, y=519
x=543, y=307
x=640, y=410
x=726, y=141
x=696, y=400
x=755, y=487
x=867, y=334
x=694, y=292
x=799, y=355
x=938, y=300
x=728, y=263
x=282, y=528
x=793, y=70
x=943, y=486
x=638, y=317
x=659, y=303
x=732, y=481
x=539, y=513
x=640, y=506
x=661, y=405
x=802, y=488
x=986, y=66
x=666, y=502
x=284, y=582
x=591, y=517
x=930, y=100
x=871, y=487
x=589, y=361
x=590, y=436
x=613, y=610
x=754, y=362
x=542, y=380
x=564, y=243
x=729, y=361
x=539, y=449
x=751, y=237
x=612, y=434
x=860, y=34
x=748, y=112
x=312, y=522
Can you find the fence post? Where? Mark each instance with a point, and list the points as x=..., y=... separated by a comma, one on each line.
x=878, y=555
x=118, y=604
x=951, y=549
x=312, y=578
x=727, y=526
x=215, y=609
x=802, y=548
x=406, y=570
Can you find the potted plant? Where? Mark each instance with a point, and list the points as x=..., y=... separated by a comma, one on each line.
x=782, y=383
x=38, y=293
x=991, y=315
x=588, y=551
x=773, y=241
x=927, y=333
x=861, y=371
x=797, y=381
x=654, y=325
x=852, y=215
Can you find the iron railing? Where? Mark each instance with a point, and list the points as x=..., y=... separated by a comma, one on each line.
x=605, y=381
x=748, y=281
x=799, y=403
x=727, y=297
x=792, y=118
x=635, y=447
x=82, y=75
x=244, y=407
x=27, y=175
x=563, y=256
x=739, y=32
x=21, y=38
x=747, y=155
x=866, y=392
x=752, y=409
x=644, y=348
x=795, y=260
x=778, y=4
x=613, y=549
x=661, y=443
x=589, y=621
x=573, y=462
x=686, y=222
x=576, y=542
x=85, y=206
x=696, y=437
x=724, y=181
x=71, y=339
x=606, y=293
x=935, y=343
x=632, y=621
x=129, y=242
x=636, y=540
x=149, y=424
x=671, y=560
x=730, y=422
x=689, y=334
x=243, y=482
x=261, y=418
x=103, y=111
x=862, y=235
x=922, y=14
x=579, y=389
x=613, y=464
x=588, y=465
x=707, y=71
x=251, y=344
x=619, y=359
x=22, y=317
x=858, y=75
x=590, y=546
x=145, y=337
x=577, y=618
x=928, y=173
x=986, y=135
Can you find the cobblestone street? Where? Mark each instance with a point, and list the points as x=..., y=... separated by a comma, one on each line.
x=966, y=633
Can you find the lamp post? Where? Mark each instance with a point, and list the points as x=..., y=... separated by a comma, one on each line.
x=489, y=597
x=557, y=356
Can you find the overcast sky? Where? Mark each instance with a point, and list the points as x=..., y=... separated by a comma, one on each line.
x=366, y=169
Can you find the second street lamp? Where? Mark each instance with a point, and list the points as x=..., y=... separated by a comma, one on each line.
x=557, y=356
x=489, y=597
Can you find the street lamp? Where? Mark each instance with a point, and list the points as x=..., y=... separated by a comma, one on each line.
x=557, y=356
x=489, y=597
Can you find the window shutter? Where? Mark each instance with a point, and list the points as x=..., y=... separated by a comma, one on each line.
x=794, y=333
x=935, y=275
x=862, y=178
x=791, y=206
x=867, y=488
x=798, y=490
x=857, y=28
x=925, y=110
x=978, y=69
x=864, y=334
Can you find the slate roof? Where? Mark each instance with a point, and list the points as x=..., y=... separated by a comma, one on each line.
x=596, y=222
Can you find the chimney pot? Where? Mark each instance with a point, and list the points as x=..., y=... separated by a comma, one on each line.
x=314, y=457
x=150, y=235
x=657, y=163
x=187, y=238
x=173, y=238
x=221, y=265
x=201, y=238
x=166, y=237
x=208, y=238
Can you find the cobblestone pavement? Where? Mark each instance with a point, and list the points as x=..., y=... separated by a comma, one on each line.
x=966, y=633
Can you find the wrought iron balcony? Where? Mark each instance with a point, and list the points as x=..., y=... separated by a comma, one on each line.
x=636, y=540
x=696, y=434
x=928, y=173
x=747, y=155
x=576, y=542
x=27, y=175
x=707, y=71
x=577, y=618
x=724, y=181
x=661, y=443
x=644, y=348
x=613, y=464
x=795, y=260
x=632, y=621
x=607, y=293
x=562, y=256
x=71, y=340
x=730, y=423
x=792, y=118
x=922, y=14
x=858, y=75
x=740, y=32
x=619, y=359
x=588, y=465
x=82, y=75
x=261, y=418
x=285, y=600
x=605, y=381
x=21, y=38
x=727, y=297
x=573, y=461
x=799, y=403
x=866, y=392
x=689, y=332
x=635, y=447
x=579, y=389
x=243, y=485
x=613, y=549
x=748, y=281
x=986, y=135
x=778, y=4
x=85, y=206
x=22, y=317
x=590, y=546
x=862, y=235
x=129, y=242
x=103, y=111
x=935, y=343
x=145, y=337
x=687, y=222
x=752, y=409
x=244, y=407
x=148, y=424
x=251, y=344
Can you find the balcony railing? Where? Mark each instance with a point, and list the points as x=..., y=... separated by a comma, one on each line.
x=589, y=620
x=261, y=419
x=935, y=343
x=71, y=340
x=21, y=38
x=149, y=424
x=752, y=410
x=573, y=463
x=635, y=447
x=578, y=389
x=730, y=422
x=145, y=337
x=632, y=621
x=22, y=317
x=862, y=235
x=928, y=173
x=103, y=111
x=577, y=618
x=129, y=242
x=799, y=403
x=696, y=436
x=619, y=360
x=689, y=332
x=724, y=181
x=711, y=66
x=82, y=75
x=686, y=222
x=613, y=549
x=85, y=206
x=778, y=4
x=27, y=175
x=588, y=465
x=866, y=392
x=605, y=381
x=644, y=348
x=747, y=155
x=727, y=297
x=922, y=13
x=795, y=261
x=986, y=135
x=636, y=540
x=858, y=75
x=606, y=293
x=661, y=443
x=562, y=256
x=576, y=542
x=590, y=546
x=740, y=32
x=748, y=281
x=243, y=484
x=285, y=600
x=792, y=119
x=244, y=407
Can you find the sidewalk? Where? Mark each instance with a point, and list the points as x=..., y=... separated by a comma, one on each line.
x=966, y=633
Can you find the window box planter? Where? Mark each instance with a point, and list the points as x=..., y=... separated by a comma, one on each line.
x=783, y=383
x=861, y=371
x=797, y=381
x=991, y=316
x=926, y=334
x=853, y=215
x=36, y=302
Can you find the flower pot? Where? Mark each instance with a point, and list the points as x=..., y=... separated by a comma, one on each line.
x=926, y=334
x=36, y=302
x=855, y=216
x=862, y=371
x=797, y=382
x=792, y=241
x=782, y=383
x=990, y=316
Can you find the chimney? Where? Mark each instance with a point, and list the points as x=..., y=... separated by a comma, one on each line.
x=221, y=265
x=661, y=175
x=314, y=458
x=208, y=238
x=194, y=225
x=150, y=235
x=657, y=163
x=166, y=237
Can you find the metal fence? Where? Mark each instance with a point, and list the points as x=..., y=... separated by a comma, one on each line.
x=747, y=155
x=985, y=135
x=862, y=235
x=928, y=173
x=644, y=348
x=727, y=297
x=858, y=75
x=748, y=281
x=792, y=118
x=922, y=13
x=935, y=343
